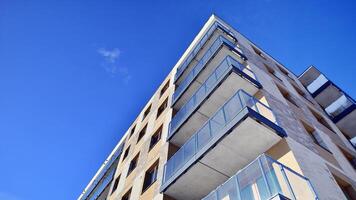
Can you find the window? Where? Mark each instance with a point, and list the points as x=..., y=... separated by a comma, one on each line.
x=147, y=111
x=321, y=119
x=155, y=137
x=349, y=157
x=258, y=52
x=132, y=130
x=164, y=89
x=116, y=183
x=162, y=107
x=127, y=195
x=347, y=189
x=142, y=133
x=150, y=176
x=301, y=92
x=133, y=164
x=315, y=136
x=126, y=153
x=273, y=72
x=285, y=72
x=287, y=96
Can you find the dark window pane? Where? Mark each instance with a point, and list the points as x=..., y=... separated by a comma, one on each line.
x=146, y=112
x=133, y=164
x=127, y=195
x=150, y=176
x=162, y=107
x=116, y=183
x=126, y=153
x=156, y=137
x=164, y=89
x=142, y=133
x=132, y=130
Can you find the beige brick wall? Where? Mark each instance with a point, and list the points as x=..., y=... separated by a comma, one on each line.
x=308, y=158
x=147, y=157
x=312, y=162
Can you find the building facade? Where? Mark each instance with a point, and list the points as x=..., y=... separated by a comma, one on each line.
x=231, y=122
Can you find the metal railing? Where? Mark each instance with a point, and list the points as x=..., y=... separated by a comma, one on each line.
x=202, y=63
x=201, y=43
x=263, y=179
x=201, y=93
x=212, y=127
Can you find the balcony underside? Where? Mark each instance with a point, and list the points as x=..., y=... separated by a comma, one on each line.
x=309, y=76
x=239, y=143
x=346, y=121
x=327, y=94
x=233, y=81
x=265, y=179
x=221, y=54
x=202, y=51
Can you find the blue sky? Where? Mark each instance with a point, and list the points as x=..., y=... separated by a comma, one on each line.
x=74, y=74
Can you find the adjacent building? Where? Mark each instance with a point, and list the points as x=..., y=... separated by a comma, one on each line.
x=231, y=122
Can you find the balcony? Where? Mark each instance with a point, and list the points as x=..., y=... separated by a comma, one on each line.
x=340, y=107
x=99, y=187
x=227, y=78
x=336, y=108
x=264, y=179
x=216, y=27
x=237, y=133
x=102, y=188
x=201, y=70
x=343, y=113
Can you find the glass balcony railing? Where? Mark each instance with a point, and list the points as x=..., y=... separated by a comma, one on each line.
x=339, y=105
x=104, y=177
x=219, y=73
x=212, y=127
x=317, y=83
x=102, y=184
x=263, y=179
x=201, y=64
x=201, y=43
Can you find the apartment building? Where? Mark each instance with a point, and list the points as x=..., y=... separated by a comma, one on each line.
x=231, y=122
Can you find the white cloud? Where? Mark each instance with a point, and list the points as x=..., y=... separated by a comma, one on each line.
x=111, y=66
x=110, y=55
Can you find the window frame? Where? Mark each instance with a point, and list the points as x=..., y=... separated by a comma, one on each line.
x=127, y=195
x=164, y=88
x=153, y=169
x=147, y=112
x=315, y=136
x=285, y=72
x=349, y=157
x=287, y=96
x=162, y=108
x=116, y=184
x=132, y=131
x=272, y=71
x=132, y=166
x=126, y=153
x=301, y=92
x=258, y=52
x=142, y=133
x=321, y=119
x=158, y=132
